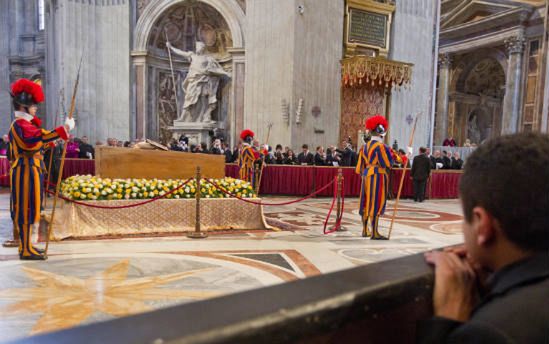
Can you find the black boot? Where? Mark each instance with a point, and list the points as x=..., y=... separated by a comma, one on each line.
x=365, y=231
x=33, y=257
x=375, y=232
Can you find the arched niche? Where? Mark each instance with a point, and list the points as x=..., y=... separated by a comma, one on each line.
x=218, y=23
x=477, y=91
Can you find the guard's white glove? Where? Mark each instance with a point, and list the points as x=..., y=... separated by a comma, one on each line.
x=70, y=123
x=410, y=150
x=439, y=165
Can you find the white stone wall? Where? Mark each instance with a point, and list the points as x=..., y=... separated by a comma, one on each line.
x=317, y=71
x=292, y=56
x=21, y=51
x=98, y=31
x=413, y=39
x=269, y=66
x=5, y=99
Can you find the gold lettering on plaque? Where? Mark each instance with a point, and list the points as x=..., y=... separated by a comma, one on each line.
x=368, y=28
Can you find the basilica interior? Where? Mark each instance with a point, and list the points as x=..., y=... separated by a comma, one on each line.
x=148, y=243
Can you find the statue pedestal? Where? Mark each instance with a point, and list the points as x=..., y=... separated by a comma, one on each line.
x=197, y=132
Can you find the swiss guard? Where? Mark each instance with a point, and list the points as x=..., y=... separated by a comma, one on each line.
x=247, y=157
x=374, y=162
x=26, y=142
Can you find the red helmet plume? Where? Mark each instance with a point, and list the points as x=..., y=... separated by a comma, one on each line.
x=377, y=124
x=246, y=133
x=26, y=92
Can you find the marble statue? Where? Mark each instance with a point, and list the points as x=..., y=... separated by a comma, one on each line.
x=200, y=85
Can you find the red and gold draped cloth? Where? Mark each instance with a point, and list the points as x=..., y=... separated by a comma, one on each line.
x=365, y=83
x=362, y=71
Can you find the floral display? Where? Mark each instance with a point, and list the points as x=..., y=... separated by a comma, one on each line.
x=92, y=188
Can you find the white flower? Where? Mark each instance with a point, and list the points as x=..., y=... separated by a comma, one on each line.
x=104, y=193
x=127, y=196
x=134, y=195
x=176, y=196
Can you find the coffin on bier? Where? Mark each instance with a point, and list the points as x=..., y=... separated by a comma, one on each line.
x=115, y=162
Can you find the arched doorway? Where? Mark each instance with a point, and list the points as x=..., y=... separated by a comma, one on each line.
x=477, y=97
x=218, y=24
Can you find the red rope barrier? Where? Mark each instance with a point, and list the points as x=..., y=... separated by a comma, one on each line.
x=124, y=206
x=339, y=218
x=269, y=204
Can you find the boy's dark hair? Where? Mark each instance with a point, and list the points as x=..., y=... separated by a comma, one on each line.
x=509, y=177
x=422, y=150
x=305, y=146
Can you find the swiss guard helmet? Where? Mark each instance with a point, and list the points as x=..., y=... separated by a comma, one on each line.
x=247, y=135
x=377, y=125
x=26, y=93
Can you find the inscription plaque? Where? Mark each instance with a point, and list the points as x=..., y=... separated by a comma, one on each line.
x=367, y=28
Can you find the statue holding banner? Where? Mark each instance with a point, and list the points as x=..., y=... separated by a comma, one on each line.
x=200, y=85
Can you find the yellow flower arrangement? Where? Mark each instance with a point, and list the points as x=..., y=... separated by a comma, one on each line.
x=91, y=188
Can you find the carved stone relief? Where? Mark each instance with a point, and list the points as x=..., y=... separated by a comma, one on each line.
x=487, y=77
x=141, y=4
x=190, y=22
x=166, y=105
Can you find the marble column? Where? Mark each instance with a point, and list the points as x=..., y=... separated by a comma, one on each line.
x=513, y=91
x=441, y=119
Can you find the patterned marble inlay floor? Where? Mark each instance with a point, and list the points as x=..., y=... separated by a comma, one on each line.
x=92, y=280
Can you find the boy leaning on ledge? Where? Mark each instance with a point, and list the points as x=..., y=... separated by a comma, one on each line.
x=505, y=196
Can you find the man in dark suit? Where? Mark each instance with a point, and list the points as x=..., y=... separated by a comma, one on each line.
x=228, y=153
x=512, y=245
x=236, y=152
x=457, y=163
x=86, y=150
x=347, y=155
x=421, y=169
x=305, y=157
x=446, y=161
x=320, y=157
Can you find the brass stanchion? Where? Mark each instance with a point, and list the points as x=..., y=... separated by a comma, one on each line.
x=339, y=193
x=197, y=234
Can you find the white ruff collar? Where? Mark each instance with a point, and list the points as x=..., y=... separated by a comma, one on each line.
x=377, y=138
x=23, y=115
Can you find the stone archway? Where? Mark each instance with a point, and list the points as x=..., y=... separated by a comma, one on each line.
x=219, y=23
x=477, y=91
x=229, y=9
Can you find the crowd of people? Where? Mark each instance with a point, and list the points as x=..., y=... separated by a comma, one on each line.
x=345, y=155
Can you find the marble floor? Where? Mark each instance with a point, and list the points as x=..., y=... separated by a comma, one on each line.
x=86, y=281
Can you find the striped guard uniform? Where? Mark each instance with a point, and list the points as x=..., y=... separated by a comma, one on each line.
x=246, y=161
x=374, y=160
x=26, y=143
